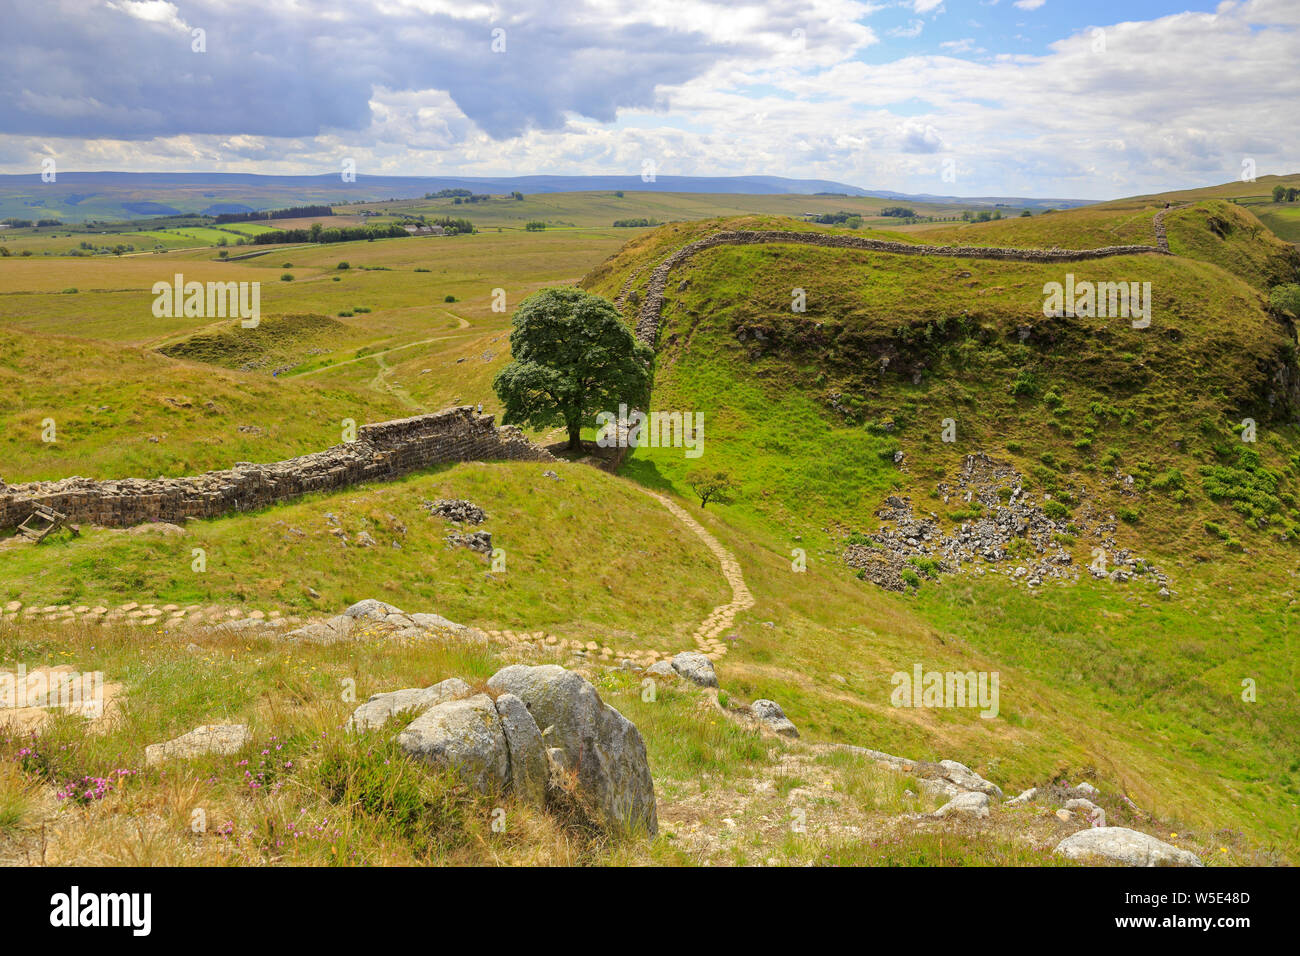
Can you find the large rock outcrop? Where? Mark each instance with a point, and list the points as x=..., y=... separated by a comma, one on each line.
x=541, y=732
x=599, y=748
x=376, y=620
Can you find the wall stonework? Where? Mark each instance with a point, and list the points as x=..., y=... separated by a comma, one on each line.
x=382, y=452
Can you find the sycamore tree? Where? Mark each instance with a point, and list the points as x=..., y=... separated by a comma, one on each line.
x=715, y=486
x=572, y=357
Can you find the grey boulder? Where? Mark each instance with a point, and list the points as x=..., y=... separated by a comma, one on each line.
x=970, y=804
x=770, y=714
x=964, y=778
x=529, y=769
x=371, y=610
x=599, y=748
x=1122, y=845
x=696, y=668
x=464, y=735
x=380, y=708
x=222, y=739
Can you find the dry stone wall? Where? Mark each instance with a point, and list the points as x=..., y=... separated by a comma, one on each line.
x=382, y=452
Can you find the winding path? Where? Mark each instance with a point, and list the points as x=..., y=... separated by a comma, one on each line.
x=707, y=635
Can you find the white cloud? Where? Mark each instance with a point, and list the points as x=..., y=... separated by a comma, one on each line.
x=151, y=11
x=1028, y=4
x=701, y=88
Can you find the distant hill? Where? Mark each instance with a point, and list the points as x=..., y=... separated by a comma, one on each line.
x=79, y=196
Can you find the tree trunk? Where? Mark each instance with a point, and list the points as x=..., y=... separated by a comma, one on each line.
x=575, y=437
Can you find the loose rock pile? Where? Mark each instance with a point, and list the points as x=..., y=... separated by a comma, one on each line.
x=456, y=509
x=462, y=512
x=1013, y=534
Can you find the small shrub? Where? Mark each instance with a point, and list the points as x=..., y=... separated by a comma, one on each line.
x=1055, y=510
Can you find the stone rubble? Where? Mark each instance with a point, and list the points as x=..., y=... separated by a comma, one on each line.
x=1012, y=535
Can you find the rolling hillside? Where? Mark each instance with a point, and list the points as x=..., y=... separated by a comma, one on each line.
x=1128, y=440
x=914, y=393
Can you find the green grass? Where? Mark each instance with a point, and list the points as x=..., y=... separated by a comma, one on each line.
x=123, y=412
x=277, y=343
x=271, y=559
x=1098, y=680
x=1095, y=677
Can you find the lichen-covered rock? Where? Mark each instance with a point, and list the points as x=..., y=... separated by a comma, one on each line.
x=529, y=770
x=770, y=714
x=465, y=735
x=964, y=778
x=324, y=632
x=661, y=669
x=371, y=610
x=380, y=708
x=696, y=668
x=971, y=804
x=599, y=745
x=436, y=622
x=1122, y=845
x=209, y=739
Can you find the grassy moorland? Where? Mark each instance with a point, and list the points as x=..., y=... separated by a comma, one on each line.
x=1100, y=680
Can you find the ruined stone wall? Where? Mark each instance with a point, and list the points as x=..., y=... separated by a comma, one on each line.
x=382, y=452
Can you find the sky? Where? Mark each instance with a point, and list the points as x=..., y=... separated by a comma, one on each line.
x=1044, y=98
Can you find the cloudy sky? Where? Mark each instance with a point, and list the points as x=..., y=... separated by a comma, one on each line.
x=970, y=97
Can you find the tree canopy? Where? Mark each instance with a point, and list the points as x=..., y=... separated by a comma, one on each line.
x=572, y=357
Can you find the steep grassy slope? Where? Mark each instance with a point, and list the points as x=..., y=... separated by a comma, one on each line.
x=807, y=410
